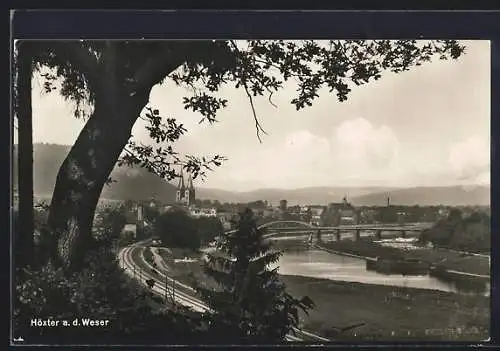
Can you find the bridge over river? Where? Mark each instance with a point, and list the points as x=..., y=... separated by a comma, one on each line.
x=298, y=229
x=319, y=263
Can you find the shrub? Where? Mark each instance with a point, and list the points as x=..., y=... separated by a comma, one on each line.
x=472, y=233
x=148, y=256
x=177, y=229
x=126, y=239
x=99, y=291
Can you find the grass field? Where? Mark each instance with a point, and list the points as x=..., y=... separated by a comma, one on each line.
x=185, y=271
x=390, y=313
x=444, y=259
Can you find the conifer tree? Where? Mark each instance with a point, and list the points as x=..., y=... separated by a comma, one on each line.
x=252, y=305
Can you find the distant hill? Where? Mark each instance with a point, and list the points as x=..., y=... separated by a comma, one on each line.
x=139, y=184
x=451, y=195
x=309, y=195
x=132, y=183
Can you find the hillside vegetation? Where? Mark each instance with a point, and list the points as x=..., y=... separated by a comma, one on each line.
x=472, y=233
x=130, y=183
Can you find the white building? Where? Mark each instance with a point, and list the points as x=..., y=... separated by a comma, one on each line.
x=203, y=212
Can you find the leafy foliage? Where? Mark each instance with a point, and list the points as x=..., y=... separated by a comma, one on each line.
x=109, y=223
x=100, y=291
x=148, y=256
x=160, y=160
x=41, y=236
x=208, y=228
x=252, y=304
x=472, y=233
x=386, y=215
x=176, y=229
x=126, y=239
x=203, y=67
x=151, y=213
x=116, y=78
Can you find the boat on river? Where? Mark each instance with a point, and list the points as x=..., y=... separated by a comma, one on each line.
x=405, y=266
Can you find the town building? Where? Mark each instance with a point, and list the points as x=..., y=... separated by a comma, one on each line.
x=203, y=212
x=283, y=205
x=269, y=212
x=340, y=214
x=367, y=215
x=134, y=218
x=317, y=213
x=227, y=218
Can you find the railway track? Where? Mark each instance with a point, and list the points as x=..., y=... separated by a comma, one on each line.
x=125, y=257
x=183, y=293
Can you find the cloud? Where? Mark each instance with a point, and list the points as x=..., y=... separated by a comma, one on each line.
x=470, y=158
x=358, y=143
x=483, y=178
x=299, y=157
x=318, y=146
x=356, y=150
x=306, y=147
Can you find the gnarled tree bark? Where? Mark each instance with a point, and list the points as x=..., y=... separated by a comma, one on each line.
x=90, y=161
x=83, y=174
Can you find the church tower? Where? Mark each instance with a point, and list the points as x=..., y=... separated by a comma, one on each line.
x=181, y=188
x=192, y=194
x=189, y=193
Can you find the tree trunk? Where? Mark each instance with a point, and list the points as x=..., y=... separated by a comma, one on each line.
x=25, y=222
x=85, y=170
x=83, y=175
x=87, y=166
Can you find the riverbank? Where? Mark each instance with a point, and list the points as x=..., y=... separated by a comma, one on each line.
x=448, y=260
x=186, y=271
x=390, y=313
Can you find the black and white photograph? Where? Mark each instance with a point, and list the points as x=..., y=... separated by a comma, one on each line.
x=227, y=192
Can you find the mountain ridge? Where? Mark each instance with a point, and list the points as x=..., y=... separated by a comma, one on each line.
x=138, y=184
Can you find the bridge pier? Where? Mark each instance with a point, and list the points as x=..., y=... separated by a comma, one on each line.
x=403, y=234
x=318, y=236
x=337, y=234
x=358, y=234
x=378, y=234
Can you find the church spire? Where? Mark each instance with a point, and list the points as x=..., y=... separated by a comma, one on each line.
x=190, y=185
x=181, y=186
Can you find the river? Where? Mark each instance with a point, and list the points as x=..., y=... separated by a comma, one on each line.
x=321, y=264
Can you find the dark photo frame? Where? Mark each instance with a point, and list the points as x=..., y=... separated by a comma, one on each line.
x=53, y=31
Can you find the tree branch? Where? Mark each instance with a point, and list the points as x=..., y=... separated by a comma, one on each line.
x=157, y=67
x=80, y=57
x=258, y=126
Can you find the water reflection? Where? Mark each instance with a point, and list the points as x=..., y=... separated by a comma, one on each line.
x=321, y=264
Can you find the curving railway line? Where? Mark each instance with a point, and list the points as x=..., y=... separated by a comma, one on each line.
x=184, y=294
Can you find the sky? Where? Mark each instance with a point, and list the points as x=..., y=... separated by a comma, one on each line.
x=429, y=126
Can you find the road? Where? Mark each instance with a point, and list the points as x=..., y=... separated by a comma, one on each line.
x=184, y=294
